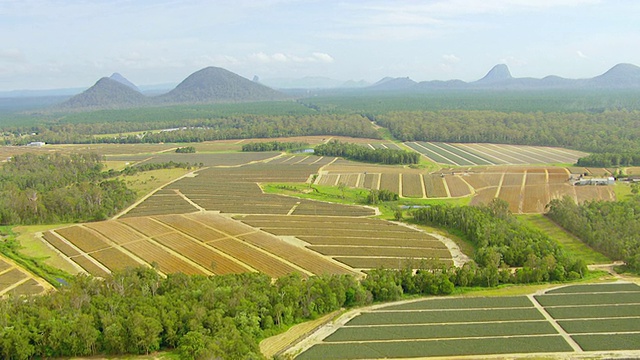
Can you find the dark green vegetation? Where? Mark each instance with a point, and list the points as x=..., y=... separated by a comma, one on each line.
x=609, y=227
x=490, y=325
x=55, y=188
x=610, y=160
x=274, y=146
x=365, y=154
x=186, y=150
x=203, y=129
x=137, y=312
x=611, y=131
x=501, y=240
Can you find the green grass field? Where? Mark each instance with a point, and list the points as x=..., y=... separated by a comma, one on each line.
x=570, y=243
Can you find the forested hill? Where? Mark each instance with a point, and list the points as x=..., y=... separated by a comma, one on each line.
x=107, y=93
x=213, y=84
x=209, y=85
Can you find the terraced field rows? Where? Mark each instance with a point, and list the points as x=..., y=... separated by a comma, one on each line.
x=14, y=280
x=358, y=243
x=603, y=318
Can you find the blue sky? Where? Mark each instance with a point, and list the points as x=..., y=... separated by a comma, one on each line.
x=56, y=44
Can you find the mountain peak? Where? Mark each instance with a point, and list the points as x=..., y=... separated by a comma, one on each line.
x=498, y=73
x=122, y=80
x=619, y=76
x=107, y=93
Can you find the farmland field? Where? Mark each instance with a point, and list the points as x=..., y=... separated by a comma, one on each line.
x=477, y=326
x=15, y=280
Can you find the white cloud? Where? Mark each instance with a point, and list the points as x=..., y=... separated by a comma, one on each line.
x=450, y=59
x=581, y=54
x=12, y=55
x=316, y=57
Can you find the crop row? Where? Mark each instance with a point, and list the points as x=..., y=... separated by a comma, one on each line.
x=441, y=348
x=445, y=316
x=369, y=241
x=593, y=288
x=351, y=250
x=440, y=331
x=589, y=299
x=392, y=262
x=464, y=303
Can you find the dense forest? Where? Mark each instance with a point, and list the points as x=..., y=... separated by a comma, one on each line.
x=274, y=146
x=611, y=227
x=610, y=131
x=198, y=130
x=610, y=160
x=501, y=240
x=362, y=153
x=53, y=188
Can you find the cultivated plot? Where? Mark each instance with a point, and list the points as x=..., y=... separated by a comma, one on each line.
x=14, y=280
x=572, y=319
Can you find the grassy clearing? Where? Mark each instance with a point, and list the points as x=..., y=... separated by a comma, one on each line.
x=32, y=246
x=622, y=190
x=569, y=242
x=145, y=182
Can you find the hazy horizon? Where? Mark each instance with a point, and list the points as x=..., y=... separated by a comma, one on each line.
x=71, y=44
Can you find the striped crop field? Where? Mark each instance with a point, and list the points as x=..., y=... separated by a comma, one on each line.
x=14, y=280
x=359, y=243
x=513, y=327
x=200, y=243
x=473, y=154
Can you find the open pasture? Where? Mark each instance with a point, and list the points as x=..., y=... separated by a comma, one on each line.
x=478, y=326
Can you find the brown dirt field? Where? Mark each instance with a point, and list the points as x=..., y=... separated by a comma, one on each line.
x=371, y=181
x=329, y=179
x=221, y=223
x=484, y=196
x=558, y=191
x=434, y=186
x=30, y=287
x=147, y=226
x=11, y=277
x=59, y=244
x=366, y=241
x=586, y=193
x=348, y=250
x=115, y=231
x=535, y=198
x=200, y=254
x=388, y=263
x=512, y=179
x=191, y=227
x=457, y=187
x=253, y=257
x=4, y=265
x=344, y=232
x=535, y=179
x=262, y=220
x=89, y=266
x=557, y=170
x=511, y=194
x=166, y=262
x=412, y=185
x=391, y=182
x=84, y=239
x=301, y=257
x=114, y=259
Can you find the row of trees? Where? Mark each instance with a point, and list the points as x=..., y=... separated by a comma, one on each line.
x=502, y=241
x=612, y=228
x=198, y=130
x=610, y=160
x=186, y=150
x=274, y=146
x=609, y=131
x=362, y=153
x=52, y=188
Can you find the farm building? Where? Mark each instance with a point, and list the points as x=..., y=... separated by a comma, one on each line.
x=595, y=181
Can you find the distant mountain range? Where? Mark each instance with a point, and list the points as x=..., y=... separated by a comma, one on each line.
x=209, y=85
x=621, y=76
x=213, y=84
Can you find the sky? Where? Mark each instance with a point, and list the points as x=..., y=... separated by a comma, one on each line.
x=49, y=44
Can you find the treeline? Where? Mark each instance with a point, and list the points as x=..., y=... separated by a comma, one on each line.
x=53, y=188
x=611, y=227
x=274, y=146
x=610, y=160
x=609, y=131
x=198, y=130
x=362, y=153
x=377, y=196
x=138, y=312
x=186, y=150
x=132, y=170
x=502, y=241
